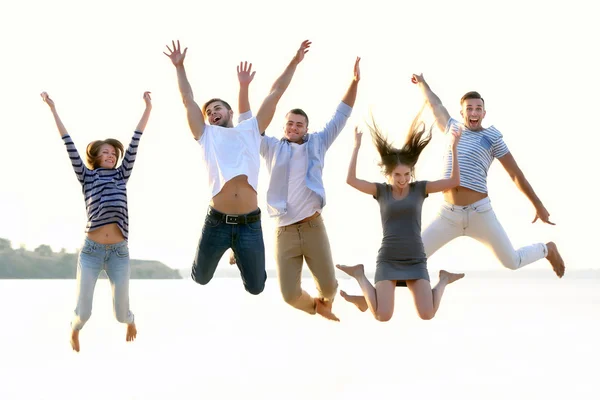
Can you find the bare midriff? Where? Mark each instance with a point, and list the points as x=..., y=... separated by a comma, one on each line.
x=461, y=196
x=107, y=234
x=237, y=197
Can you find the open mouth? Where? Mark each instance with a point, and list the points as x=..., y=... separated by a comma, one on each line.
x=216, y=120
x=473, y=121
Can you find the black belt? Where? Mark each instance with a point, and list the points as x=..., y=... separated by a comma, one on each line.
x=235, y=219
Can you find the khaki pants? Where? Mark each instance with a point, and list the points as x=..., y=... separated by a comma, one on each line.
x=295, y=243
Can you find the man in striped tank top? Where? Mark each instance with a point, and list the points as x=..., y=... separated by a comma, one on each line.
x=467, y=210
x=232, y=159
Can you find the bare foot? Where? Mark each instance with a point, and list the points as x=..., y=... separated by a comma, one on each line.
x=324, y=309
x=358, y=301
x=75, y=340
x=131, y=332
x=558, y=265
x=450, y=277
x=354, y=271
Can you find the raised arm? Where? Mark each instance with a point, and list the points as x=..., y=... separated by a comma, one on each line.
x=131, y=152
x=267, y=108
x=340, y=117
x=146, y=115
x=350, y=96
x=61, y=128
x=76, y=161
x=518, y=177
x=352, y=180
x=439, y=111
x=446, y=184
x=245, y=76
x=194, y=114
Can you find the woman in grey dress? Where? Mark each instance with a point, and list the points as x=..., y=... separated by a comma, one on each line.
x=401, y=260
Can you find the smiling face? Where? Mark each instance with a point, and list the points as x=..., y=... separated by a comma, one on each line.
x=296, y=126
x=107, y=157
x=400, y=177
x=217, y=113
x=103, y=153
x=473, y=111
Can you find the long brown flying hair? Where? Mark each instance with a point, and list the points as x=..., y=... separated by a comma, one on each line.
x=417, y=139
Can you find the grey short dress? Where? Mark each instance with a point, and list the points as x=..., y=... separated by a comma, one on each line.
x=401, y=256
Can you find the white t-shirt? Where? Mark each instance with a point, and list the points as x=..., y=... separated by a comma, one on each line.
x=230, y=152
x=301, y=202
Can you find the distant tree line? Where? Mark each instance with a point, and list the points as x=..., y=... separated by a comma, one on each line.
x=43, y=263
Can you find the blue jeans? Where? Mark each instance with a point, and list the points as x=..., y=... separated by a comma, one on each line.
x=93, y=258
x=246, y=241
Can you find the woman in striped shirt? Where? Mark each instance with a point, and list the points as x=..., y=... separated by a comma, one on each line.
x=105, y=246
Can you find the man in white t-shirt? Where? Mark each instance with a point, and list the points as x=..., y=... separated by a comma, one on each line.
x=296, y=198
x=231, y=156
x=468, y=210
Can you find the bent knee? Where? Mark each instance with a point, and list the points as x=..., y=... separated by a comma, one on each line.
x=255, y=285
x=200, y=278
x=512, y=263
x=383, y=316
x=291, y=296
x=426, y=315
x=255, y=289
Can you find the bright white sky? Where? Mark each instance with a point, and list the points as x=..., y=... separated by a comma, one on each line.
x=535, y=63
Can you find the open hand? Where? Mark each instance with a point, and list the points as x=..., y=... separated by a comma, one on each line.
x=304, y=47
x=175, y=54
x=245, y=73
x=357, y=69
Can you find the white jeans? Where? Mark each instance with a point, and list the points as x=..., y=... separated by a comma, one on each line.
x=479, y=222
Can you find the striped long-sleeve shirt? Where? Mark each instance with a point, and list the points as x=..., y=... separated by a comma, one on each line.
x=104, y=189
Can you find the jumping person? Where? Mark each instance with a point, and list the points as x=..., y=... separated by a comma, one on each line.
x=468, y=209
x=105, y=246
x=232, y=158
x=401, y=260
x=296, y=198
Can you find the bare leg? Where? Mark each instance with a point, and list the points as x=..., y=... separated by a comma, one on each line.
x=555, y=259
x=75, y=340
x=379, y=299
x=358, y=301
x=427, y=300
x=131, y=332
